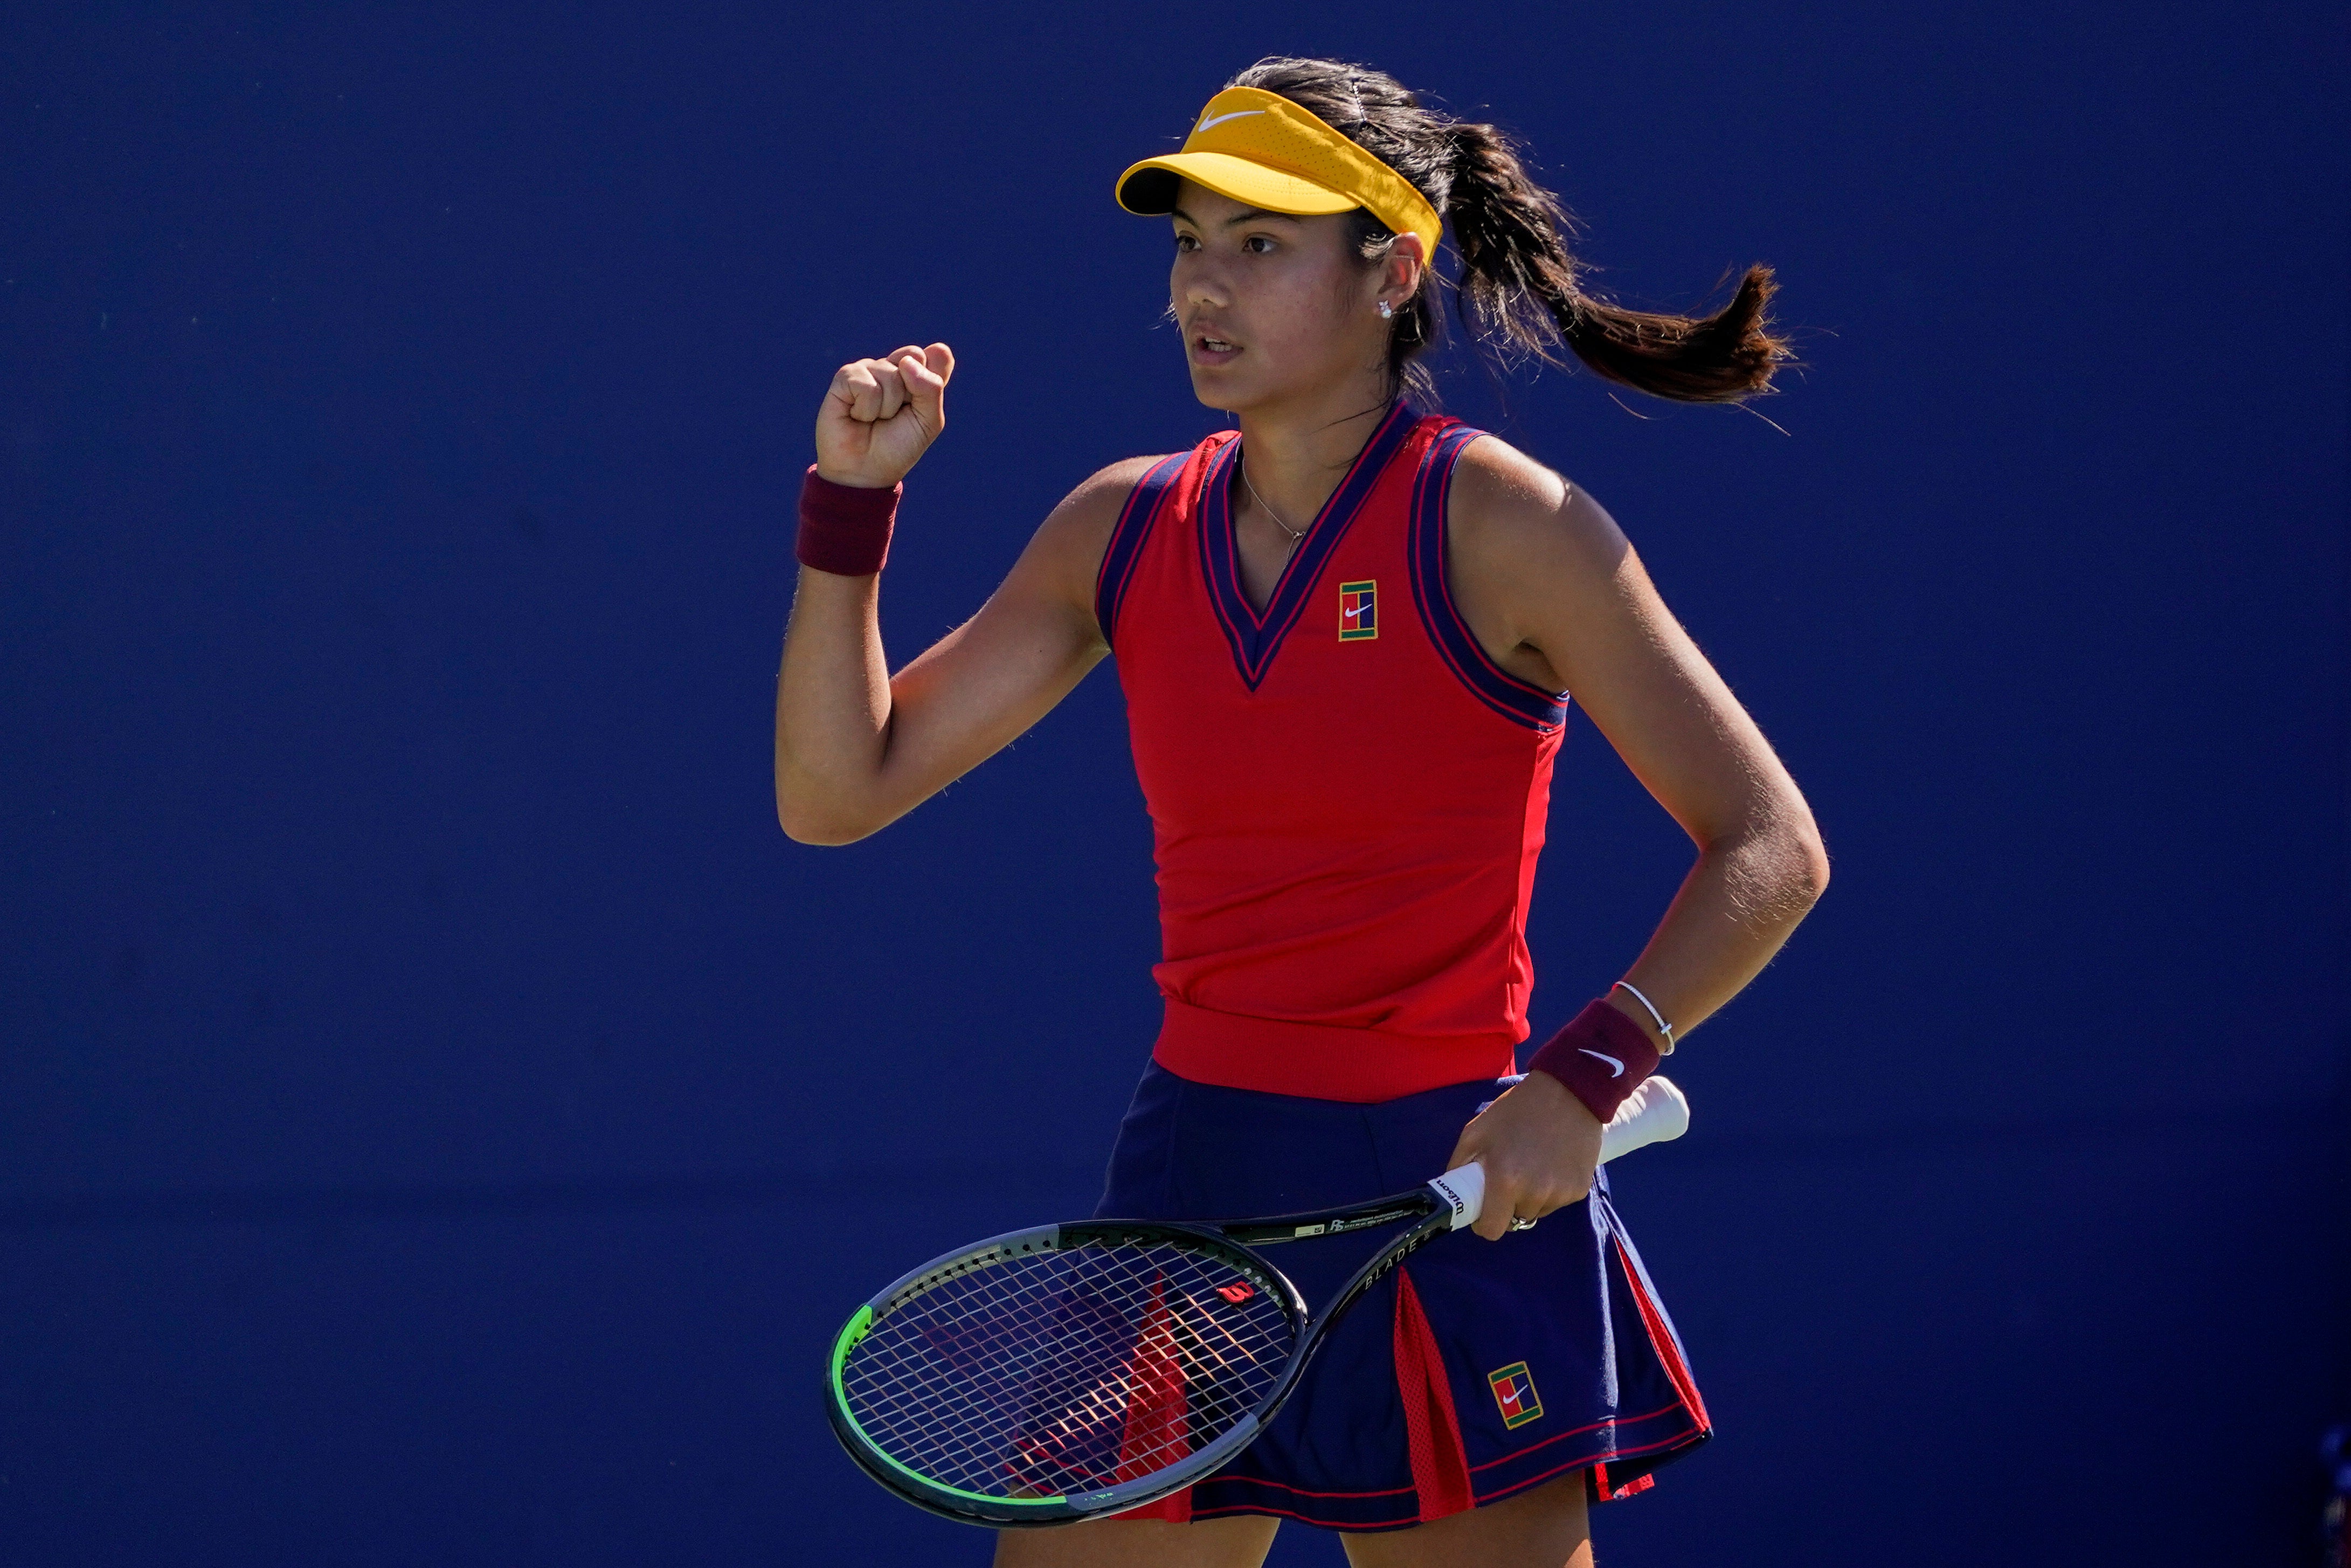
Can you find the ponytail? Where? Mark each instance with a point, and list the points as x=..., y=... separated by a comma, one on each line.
x=1520, y=284
x=1519, y=289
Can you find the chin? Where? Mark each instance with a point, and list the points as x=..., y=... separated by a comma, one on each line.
x=1222, y=392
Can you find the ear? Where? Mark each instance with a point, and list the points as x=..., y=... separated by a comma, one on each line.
x=1400, y=275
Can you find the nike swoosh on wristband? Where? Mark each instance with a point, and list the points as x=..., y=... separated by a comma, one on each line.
x=1615, y=1068
x=1237, y=114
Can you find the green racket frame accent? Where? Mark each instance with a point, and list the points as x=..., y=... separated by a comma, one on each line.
x=866, y=1451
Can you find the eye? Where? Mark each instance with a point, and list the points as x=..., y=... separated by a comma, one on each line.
x=1186, y=245
x=1259, y=245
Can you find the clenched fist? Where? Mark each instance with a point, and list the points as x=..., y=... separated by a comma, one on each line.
x=879, y=416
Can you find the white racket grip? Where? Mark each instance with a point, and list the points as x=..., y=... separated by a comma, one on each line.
x=1464, y=1188
x=1655, y=1112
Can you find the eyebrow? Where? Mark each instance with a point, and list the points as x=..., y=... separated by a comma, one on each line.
x=1246, y=215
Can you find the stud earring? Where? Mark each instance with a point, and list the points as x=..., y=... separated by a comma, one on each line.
x=1387, y=310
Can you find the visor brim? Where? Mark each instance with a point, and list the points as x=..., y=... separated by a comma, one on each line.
x=1149, y=187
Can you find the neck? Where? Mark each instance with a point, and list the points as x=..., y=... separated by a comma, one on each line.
x=1298, y=450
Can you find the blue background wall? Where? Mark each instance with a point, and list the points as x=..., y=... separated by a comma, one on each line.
x=420, y=1055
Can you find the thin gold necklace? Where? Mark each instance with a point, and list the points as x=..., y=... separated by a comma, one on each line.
x=1295, y=534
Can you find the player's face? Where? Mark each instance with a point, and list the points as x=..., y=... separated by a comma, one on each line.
x=1273, y=307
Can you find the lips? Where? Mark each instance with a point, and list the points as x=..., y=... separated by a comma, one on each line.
x=1210, y=348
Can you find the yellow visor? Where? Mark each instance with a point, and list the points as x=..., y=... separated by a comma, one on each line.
x=1260, y=148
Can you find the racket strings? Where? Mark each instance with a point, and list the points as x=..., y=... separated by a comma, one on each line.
x=1069, y=1370
x=1115, y=1368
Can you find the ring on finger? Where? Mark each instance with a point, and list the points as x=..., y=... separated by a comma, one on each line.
x=1519, y=1222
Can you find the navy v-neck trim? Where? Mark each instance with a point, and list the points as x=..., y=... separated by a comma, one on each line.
x=1255, y=639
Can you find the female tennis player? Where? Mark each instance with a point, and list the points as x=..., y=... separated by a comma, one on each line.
x=1346, y=636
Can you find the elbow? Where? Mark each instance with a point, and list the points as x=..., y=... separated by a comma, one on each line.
x=812, y=809
x=1814, y=881
x=818, y=835
x=1777, y=858
x=825, y=832
x=1808, y=858
x=810, y=822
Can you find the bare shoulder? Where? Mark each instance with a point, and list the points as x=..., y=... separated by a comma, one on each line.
x=1066, y=551
x=1508, y=511
x=1091, y=509
x=1076, y=532
x=1532, y=558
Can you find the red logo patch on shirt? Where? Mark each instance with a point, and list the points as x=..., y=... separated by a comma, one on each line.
x=1514, y=1391
x=1358, y=610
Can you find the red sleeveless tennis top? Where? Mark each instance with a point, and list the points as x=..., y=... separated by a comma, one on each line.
x=1347, y=796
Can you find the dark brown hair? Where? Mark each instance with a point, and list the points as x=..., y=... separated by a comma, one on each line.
x=1519, y=291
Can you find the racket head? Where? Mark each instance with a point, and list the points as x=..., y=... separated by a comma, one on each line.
x=1065, y=1372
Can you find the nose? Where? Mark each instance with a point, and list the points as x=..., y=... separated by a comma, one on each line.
x=1198, y=283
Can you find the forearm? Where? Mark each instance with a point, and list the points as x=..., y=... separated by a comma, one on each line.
x=1741, y=901
x=857, y=747
x=833, y=709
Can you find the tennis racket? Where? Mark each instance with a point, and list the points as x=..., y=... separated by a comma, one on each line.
x=1079, y=1370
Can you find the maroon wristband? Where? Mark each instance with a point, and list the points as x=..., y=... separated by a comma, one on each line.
x=843, y=529
x=1602, y=1056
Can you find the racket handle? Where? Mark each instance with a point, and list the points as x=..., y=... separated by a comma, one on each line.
x=1655, y=1112
x=1463, y=1189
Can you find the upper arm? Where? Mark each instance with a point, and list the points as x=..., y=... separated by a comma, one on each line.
x=981, y=686
x=1552, y=586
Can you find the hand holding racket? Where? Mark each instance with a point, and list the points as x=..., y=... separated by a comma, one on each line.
x=1079, y=1370
x=1539, y=1146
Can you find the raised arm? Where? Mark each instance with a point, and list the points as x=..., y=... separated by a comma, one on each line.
x=857, y=748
